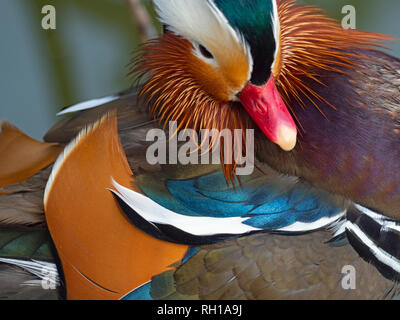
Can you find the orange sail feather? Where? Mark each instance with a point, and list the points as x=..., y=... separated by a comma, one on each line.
x=21, y=157
x=103, y=255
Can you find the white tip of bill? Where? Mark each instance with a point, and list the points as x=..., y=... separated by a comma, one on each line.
x=287, y=138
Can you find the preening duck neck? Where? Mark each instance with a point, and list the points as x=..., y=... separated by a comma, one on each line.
x=354, y=148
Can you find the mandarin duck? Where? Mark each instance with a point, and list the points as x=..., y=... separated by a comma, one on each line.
x=324, y=106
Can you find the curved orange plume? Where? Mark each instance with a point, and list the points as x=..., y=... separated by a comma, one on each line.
x=103, y=255
x=21, y=157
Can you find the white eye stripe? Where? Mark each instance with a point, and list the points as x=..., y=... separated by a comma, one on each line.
x=194, y=19
x=277, y=30
x=200, y=21
x=275, y=21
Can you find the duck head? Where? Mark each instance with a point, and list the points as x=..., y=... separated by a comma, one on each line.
x=229, y=64
x=213, y=67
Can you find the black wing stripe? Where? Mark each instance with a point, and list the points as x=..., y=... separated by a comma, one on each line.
x=376, y=239
x=365, y=253
x=169, y=233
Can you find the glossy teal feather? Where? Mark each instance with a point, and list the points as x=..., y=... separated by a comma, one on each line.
x=253, y=19
x=26, y=245
x=142, y=293
x=270, y=204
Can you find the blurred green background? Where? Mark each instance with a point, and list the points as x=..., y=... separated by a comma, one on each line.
x=86, y=57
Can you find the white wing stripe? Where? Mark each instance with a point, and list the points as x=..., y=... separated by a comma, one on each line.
x=88, y=104
x=379, y=253
x=305, y=227
x=199, y=226
x=382, y=220
x=204, y=226
x=43, y=270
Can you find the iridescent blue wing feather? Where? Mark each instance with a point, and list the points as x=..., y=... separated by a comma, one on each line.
x=204, y=209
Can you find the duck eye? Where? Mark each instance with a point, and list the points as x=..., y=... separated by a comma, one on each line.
x=207, y=54
x=165, y=28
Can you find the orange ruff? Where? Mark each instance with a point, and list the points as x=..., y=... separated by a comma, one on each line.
x=21, y=157
x=103, y=255
x=309, y=43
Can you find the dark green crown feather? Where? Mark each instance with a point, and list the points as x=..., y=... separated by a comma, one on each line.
x=254, y=20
